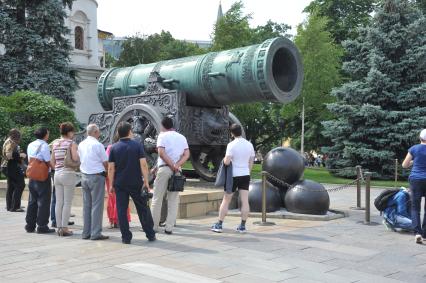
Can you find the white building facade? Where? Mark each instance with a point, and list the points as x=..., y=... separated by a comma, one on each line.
x=86, y=57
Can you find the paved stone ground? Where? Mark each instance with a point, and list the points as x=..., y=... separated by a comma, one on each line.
x=343, y=250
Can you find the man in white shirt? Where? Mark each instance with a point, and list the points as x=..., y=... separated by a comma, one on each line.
x=40, y=191
x=173, y=152
x=94, y=164
x=241, y=153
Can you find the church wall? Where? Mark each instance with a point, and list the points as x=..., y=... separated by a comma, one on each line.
x=86, y=99
x=84, y=15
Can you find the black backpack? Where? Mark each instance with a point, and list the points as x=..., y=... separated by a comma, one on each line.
x=381, y=202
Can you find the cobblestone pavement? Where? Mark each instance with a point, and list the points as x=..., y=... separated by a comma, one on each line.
x=343, y=250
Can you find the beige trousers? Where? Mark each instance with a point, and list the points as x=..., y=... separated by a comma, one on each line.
x=64, y=191
x=160, y=188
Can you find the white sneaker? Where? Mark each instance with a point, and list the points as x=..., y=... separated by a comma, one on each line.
x=419, y=239
x=388, y=225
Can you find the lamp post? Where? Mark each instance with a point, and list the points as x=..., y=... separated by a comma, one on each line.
x=302, y=138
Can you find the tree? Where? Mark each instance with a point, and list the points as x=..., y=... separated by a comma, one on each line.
x=139, y=49
x=261, y=121
x=233, y=29
x=5, y=124
x=321, y=63
x=35, y=50
x=381, y=110
x=110, y=61
x=345, y=16
x=422, y=5
x=269, y=30
x=30, y=110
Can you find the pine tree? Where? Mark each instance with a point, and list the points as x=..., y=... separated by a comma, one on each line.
x=382, y=109
x=35, y=51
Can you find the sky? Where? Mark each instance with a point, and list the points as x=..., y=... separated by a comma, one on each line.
x=189, y=19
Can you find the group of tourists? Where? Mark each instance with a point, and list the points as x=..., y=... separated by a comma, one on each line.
x=121, y=171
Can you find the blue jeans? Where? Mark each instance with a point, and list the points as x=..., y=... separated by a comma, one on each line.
x=38, y=205
x=52, y=206
x=418, y=190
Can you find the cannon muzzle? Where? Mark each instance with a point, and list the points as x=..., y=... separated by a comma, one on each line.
x=270, y=71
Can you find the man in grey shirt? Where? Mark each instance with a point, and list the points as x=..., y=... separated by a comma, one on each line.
x=94, y=165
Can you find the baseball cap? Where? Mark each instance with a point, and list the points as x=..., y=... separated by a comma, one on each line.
x=423, y=134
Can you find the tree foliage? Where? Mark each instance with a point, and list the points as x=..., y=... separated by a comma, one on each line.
x=35, y=51
x=233, y=30
x=30, y=110
x=381, y=110
x=110, y=61
x=321, y=63
x=139, y=49
x=5, y=124
x=422, y=5
x=345, y=16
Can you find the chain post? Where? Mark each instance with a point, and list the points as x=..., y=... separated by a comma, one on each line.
x=396, y=172
x=367, y=196
x=263, y=196
x=358, y=186
x=264, y=222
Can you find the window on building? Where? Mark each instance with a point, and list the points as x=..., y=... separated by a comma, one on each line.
x=79, y=38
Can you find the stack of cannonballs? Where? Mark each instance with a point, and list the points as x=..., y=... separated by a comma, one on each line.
x=285, y=188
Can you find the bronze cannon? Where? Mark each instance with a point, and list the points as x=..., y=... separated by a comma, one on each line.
x=196, y=92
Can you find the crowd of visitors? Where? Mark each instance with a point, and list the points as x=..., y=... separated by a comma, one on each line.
x=316, y=160
x=121, y=171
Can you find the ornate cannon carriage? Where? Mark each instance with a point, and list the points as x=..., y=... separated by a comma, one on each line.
x=196, y=92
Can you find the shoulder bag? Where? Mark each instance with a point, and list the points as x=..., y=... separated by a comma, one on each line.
x=37, y=169
x=69, y=162
x=176, y=182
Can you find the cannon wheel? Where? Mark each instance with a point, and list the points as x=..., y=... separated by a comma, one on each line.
x=146, y=123
x=206, y=159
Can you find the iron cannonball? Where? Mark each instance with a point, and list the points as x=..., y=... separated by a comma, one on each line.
x=285, y=164
x=307, y=197
x=273, y=198
x=283, y=192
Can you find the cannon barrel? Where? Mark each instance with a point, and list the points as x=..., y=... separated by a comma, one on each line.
x=270, y=71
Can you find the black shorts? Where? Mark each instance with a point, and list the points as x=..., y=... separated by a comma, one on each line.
x=241, y=183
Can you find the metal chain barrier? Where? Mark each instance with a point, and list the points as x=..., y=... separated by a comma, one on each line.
x=330, y=190
x=355, y=183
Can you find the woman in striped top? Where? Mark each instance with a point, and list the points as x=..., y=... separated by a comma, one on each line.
x=65, y=178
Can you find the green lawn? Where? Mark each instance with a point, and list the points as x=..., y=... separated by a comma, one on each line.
x=321, y=175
